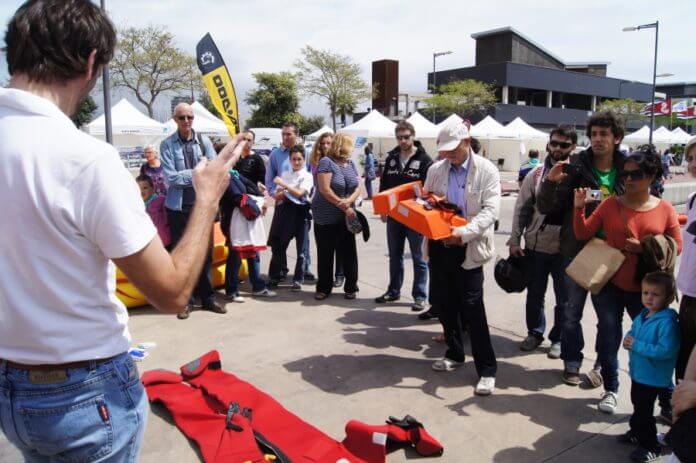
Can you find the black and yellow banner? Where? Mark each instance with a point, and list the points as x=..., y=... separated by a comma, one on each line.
x=218, y=82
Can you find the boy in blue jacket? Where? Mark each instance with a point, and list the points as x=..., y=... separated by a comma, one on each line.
x=653, y=344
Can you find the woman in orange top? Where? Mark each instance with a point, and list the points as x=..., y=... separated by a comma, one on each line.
x=624, y=220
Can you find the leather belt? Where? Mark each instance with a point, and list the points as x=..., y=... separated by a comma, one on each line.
x=58, y=366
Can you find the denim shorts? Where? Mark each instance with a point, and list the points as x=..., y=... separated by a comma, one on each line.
x=95, y=413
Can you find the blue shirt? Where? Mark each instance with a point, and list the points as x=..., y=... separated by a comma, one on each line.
x=456, y=185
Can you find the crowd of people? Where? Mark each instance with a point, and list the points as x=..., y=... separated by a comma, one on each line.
x=64, y=366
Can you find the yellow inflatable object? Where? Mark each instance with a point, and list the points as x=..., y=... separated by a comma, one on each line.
x=132, y=297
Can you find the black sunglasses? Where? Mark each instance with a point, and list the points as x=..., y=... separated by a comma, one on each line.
x=184, y=118
x=563, y=144
x=403, y=137
x=636, y=174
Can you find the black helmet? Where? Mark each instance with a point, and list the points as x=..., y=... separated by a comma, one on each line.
x=513, y=274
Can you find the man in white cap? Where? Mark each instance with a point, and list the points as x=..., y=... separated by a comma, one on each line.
x=471, y=184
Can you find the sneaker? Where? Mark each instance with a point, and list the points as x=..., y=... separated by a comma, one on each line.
x=418, y=305
x=530, y=343
x=427, y=315
x=235, y=298
x=350, y=296
x=627, y=438
x=571, y=377
x=338, y=282
x=296, y=287
x=608, y=402
x=264, y=293
x=641, y=455
x=213, y=306
x=485, y=386
x=594, y=377
x=272, y=283
x=445, y=364
x=185, y=314
x=665, y=415
x=554, y=350
x=387, y=297
x=309, y=277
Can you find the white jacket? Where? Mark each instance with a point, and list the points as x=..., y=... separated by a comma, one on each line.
x=482, y=206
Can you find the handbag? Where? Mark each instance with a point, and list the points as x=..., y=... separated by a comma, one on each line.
x=597, y=262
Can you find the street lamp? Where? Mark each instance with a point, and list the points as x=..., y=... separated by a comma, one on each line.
x=107, y=97
x=656, y=26
x=435, y=55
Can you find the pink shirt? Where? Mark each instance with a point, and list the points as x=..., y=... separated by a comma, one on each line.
x=159, y=217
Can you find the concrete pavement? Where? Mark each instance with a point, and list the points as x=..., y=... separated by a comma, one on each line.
x=335, y=360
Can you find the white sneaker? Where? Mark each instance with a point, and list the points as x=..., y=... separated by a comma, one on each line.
x=555, y=351
x=264, y=293
x=485, y=386
x=445, y=364
x=235, y=298
x=608, y=402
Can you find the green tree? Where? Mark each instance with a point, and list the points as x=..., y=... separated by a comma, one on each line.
x=84, y=112
x=628, y=109
x=148, y=63
x=463, y=97
x=309, y=124
x=332, y=77
x=274, y=100
x=204, y=99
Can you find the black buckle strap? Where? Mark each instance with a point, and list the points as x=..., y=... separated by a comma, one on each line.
x=231, y=411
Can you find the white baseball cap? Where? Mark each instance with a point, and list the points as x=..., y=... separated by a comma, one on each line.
x=451, y=134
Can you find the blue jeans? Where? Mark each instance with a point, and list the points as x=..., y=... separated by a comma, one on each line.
x=397, y=234
x=544, y=265
x=97, y=413
x=368, y=187
x=572, y=340
x=307, y=264
x=234, y=263
x=609, y=305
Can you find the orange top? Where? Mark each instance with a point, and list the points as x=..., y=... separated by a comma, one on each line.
x=610, y=216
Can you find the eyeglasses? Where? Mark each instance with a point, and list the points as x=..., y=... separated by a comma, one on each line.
x=636, y=174
x=562, y=144
x=403, y=137
x=184, y=118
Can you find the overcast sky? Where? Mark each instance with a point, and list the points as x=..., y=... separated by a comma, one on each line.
x=267, y=35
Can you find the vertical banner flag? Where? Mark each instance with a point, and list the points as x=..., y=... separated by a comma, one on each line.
x=218, y=82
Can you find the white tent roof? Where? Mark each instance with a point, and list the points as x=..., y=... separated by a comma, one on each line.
x=126, y=120
x=663, y=135
x=679, y=136
x=424, y=128
x=452, y=117
x=639, y=136
x=375, y=125
x=204, y=122
x=315, y=135
x=489, y=128
x=524, y=131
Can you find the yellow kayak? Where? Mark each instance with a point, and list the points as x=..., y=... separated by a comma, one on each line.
x=132, y=297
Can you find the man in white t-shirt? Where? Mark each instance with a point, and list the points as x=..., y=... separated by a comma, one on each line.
x=68, y=389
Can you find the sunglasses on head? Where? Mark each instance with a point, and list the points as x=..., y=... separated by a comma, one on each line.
x=403, y=137
x=636, y=174
x=185, y=118
x=562, y=144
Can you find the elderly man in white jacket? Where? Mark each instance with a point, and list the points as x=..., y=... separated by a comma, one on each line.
x=472, y=184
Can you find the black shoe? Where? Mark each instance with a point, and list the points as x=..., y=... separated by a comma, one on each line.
x=641, y=455
x=427, y=315
x=666, y=415
x=571, y=377
x=387, y=297
x=283, y=275
x=627, y=438
x=350, y=296
x=309, y=277
x=213, y=306
x=272, y=283
x=338, y=282
x=185, y=314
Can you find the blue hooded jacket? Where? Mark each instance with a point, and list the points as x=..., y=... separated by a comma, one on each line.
x=655, y=347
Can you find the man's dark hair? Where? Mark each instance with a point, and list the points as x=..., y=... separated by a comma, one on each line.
x=145, y=178
x=404, y=125
x=253, y=134
x=533, y=154
x=665, y=280
x=648, y=160
x=297, y=149
x=606, y=119
x=565, y=131
x=292, y=125
x=51, y=40
x=475, y=145
x=368, y=148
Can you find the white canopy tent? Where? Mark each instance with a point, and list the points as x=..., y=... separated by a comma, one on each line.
x=661, y=140
x=314, y=135
x=130, y=127
x=204, y=122
x=680, y=137
x=378, y=129
x=426, y=132
x=489, y=129
x=524, y=131
x=450, y=118
x=663, y=135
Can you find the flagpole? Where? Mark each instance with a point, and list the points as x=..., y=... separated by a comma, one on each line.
x=107, y=97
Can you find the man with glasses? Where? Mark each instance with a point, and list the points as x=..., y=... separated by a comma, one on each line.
x=408, y=162
x=542, y=245
x=180, y=153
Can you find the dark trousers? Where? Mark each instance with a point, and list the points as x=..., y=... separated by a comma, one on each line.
x=687, y=326
x=329, y=239
x=177, y=224
x=643, y=419
x=458, y=294
x=368, y=187
x=280, y=247
x=544, y=265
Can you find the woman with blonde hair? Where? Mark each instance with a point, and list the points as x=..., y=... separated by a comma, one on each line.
x=337, y=190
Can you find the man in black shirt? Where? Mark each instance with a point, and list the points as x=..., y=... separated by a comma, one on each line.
x=251, y=165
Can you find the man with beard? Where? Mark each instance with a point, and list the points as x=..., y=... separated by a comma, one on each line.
x=542, y=245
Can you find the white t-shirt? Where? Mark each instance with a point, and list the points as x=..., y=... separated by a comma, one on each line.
x=301, y=179
x=69, y=205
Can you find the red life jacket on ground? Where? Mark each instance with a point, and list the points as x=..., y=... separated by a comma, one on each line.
x=234, y=422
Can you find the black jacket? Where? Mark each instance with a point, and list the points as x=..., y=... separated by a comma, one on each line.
x=416, y=168
x=559, y=197
x=252, y=167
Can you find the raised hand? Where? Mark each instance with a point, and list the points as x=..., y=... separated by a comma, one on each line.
x=580, y=197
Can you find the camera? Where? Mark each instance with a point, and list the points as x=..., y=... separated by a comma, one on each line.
x=593, y=195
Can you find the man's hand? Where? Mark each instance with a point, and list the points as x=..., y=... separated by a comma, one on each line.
x=279, y=194
x=516, y=251
x=556, y=174
x=628, y=342
x=580, y=197
x=279, y=181
x=683, y=398
x=211, y=178
x=633, y=245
